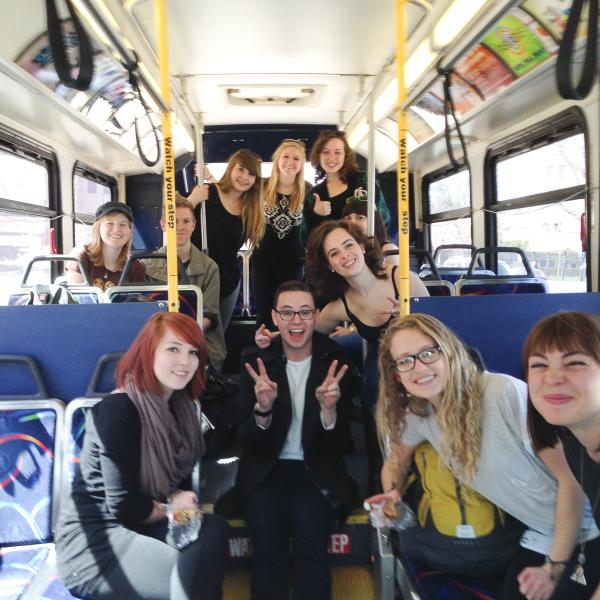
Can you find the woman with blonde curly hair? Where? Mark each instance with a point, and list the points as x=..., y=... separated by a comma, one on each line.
x=430, y=389
x=234, y=215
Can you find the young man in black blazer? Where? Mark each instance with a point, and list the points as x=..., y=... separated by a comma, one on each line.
x=294, y=425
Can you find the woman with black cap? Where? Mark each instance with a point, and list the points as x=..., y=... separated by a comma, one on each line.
x=105, y=256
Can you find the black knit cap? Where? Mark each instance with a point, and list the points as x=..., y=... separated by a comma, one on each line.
x=111, y=207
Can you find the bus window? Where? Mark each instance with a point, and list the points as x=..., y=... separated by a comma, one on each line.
x=448, y=209
x=90, y=190
x=26, y=214
x=539, y=200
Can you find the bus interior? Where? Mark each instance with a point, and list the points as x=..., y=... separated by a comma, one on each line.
x=503, y=149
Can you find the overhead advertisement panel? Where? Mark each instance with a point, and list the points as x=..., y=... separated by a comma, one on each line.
x=483, y=69
x=553, y=15
x=516, y=43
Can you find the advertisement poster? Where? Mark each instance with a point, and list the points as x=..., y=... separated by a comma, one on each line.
x=553, y=15
x=483, y=69
x=517, y=46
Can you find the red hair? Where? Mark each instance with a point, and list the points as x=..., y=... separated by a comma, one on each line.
x=137, y=363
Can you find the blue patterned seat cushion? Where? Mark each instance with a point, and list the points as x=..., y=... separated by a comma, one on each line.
x=27, y=442
x=18, y=567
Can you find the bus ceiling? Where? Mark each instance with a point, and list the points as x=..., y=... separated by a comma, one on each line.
x=239, y=63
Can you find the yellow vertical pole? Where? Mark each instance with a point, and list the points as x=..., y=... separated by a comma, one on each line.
x=169, y=159
x=402, y=171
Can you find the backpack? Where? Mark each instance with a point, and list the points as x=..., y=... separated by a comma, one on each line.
x=459, y=530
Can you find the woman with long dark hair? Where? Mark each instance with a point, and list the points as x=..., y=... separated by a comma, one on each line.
x=234, y=215
x=141, y=444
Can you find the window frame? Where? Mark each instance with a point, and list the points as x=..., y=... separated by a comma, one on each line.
x=563, y=125
x=448, y=215
x=20, y=145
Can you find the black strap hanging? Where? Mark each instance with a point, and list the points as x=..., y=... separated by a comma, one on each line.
x=449, y=110
x=59, y=53
x=133, y=81
x=565, y=61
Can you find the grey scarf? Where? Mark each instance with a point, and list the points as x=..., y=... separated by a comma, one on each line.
x=171, y=441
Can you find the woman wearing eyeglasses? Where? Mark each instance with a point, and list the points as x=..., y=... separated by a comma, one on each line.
x=339, y=177
x=281, y=253
x=431, y=390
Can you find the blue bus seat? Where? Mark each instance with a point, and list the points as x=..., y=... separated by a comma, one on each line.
x=30, y=431
x=494, y=285
x=84, y=294
x=190, y=297
x=432, y=585
x=394, y=573
x=440, y=287
x=74, y=433
x=453, y=274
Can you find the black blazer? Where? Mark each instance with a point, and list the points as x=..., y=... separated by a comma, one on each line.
x=323, y=450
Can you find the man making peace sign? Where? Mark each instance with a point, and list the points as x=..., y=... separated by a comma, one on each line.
x=294, y=415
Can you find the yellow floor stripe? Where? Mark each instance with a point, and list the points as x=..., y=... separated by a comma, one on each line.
x=349, y=583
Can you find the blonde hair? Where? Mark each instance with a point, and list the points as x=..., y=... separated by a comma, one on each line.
x=297, y=196
x=95, y=246
x=253, y=214
x=460, y=412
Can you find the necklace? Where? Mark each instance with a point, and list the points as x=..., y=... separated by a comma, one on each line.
x=578, y=575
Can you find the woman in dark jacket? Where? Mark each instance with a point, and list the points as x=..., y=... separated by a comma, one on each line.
x=142, y=442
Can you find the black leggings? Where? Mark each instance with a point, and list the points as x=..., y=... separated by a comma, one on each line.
x=150, y=569
x=266, y=278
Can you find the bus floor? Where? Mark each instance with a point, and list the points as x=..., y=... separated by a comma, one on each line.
x=348, y=583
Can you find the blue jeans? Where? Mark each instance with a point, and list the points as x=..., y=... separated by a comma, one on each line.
x=289, y=504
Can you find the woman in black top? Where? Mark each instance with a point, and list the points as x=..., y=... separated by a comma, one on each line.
x=337, y=171
x=141, y=445
x=280, y=254
x=562, y=360
x=234, y=215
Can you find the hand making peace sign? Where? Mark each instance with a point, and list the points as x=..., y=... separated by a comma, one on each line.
x=265, y=390
x=328, y=393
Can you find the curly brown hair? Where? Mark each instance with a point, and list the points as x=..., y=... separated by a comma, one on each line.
x=460, y=413
x=350, y=165
x=327, y=284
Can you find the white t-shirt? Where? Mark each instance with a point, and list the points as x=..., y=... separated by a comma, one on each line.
x=509, y=474
x=297, y=376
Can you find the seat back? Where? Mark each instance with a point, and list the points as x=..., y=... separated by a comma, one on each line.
x=190, y=297
x=75, y=415
x=30, y=464
x=500, y=285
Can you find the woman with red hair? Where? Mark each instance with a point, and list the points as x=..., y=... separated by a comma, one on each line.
x=141, y=444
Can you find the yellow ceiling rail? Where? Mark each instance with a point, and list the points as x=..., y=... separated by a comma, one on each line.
x=169, y=158
x=402, y=171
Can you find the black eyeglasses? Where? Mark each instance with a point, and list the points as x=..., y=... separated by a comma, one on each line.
x=426, y=356
x=305, y=314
